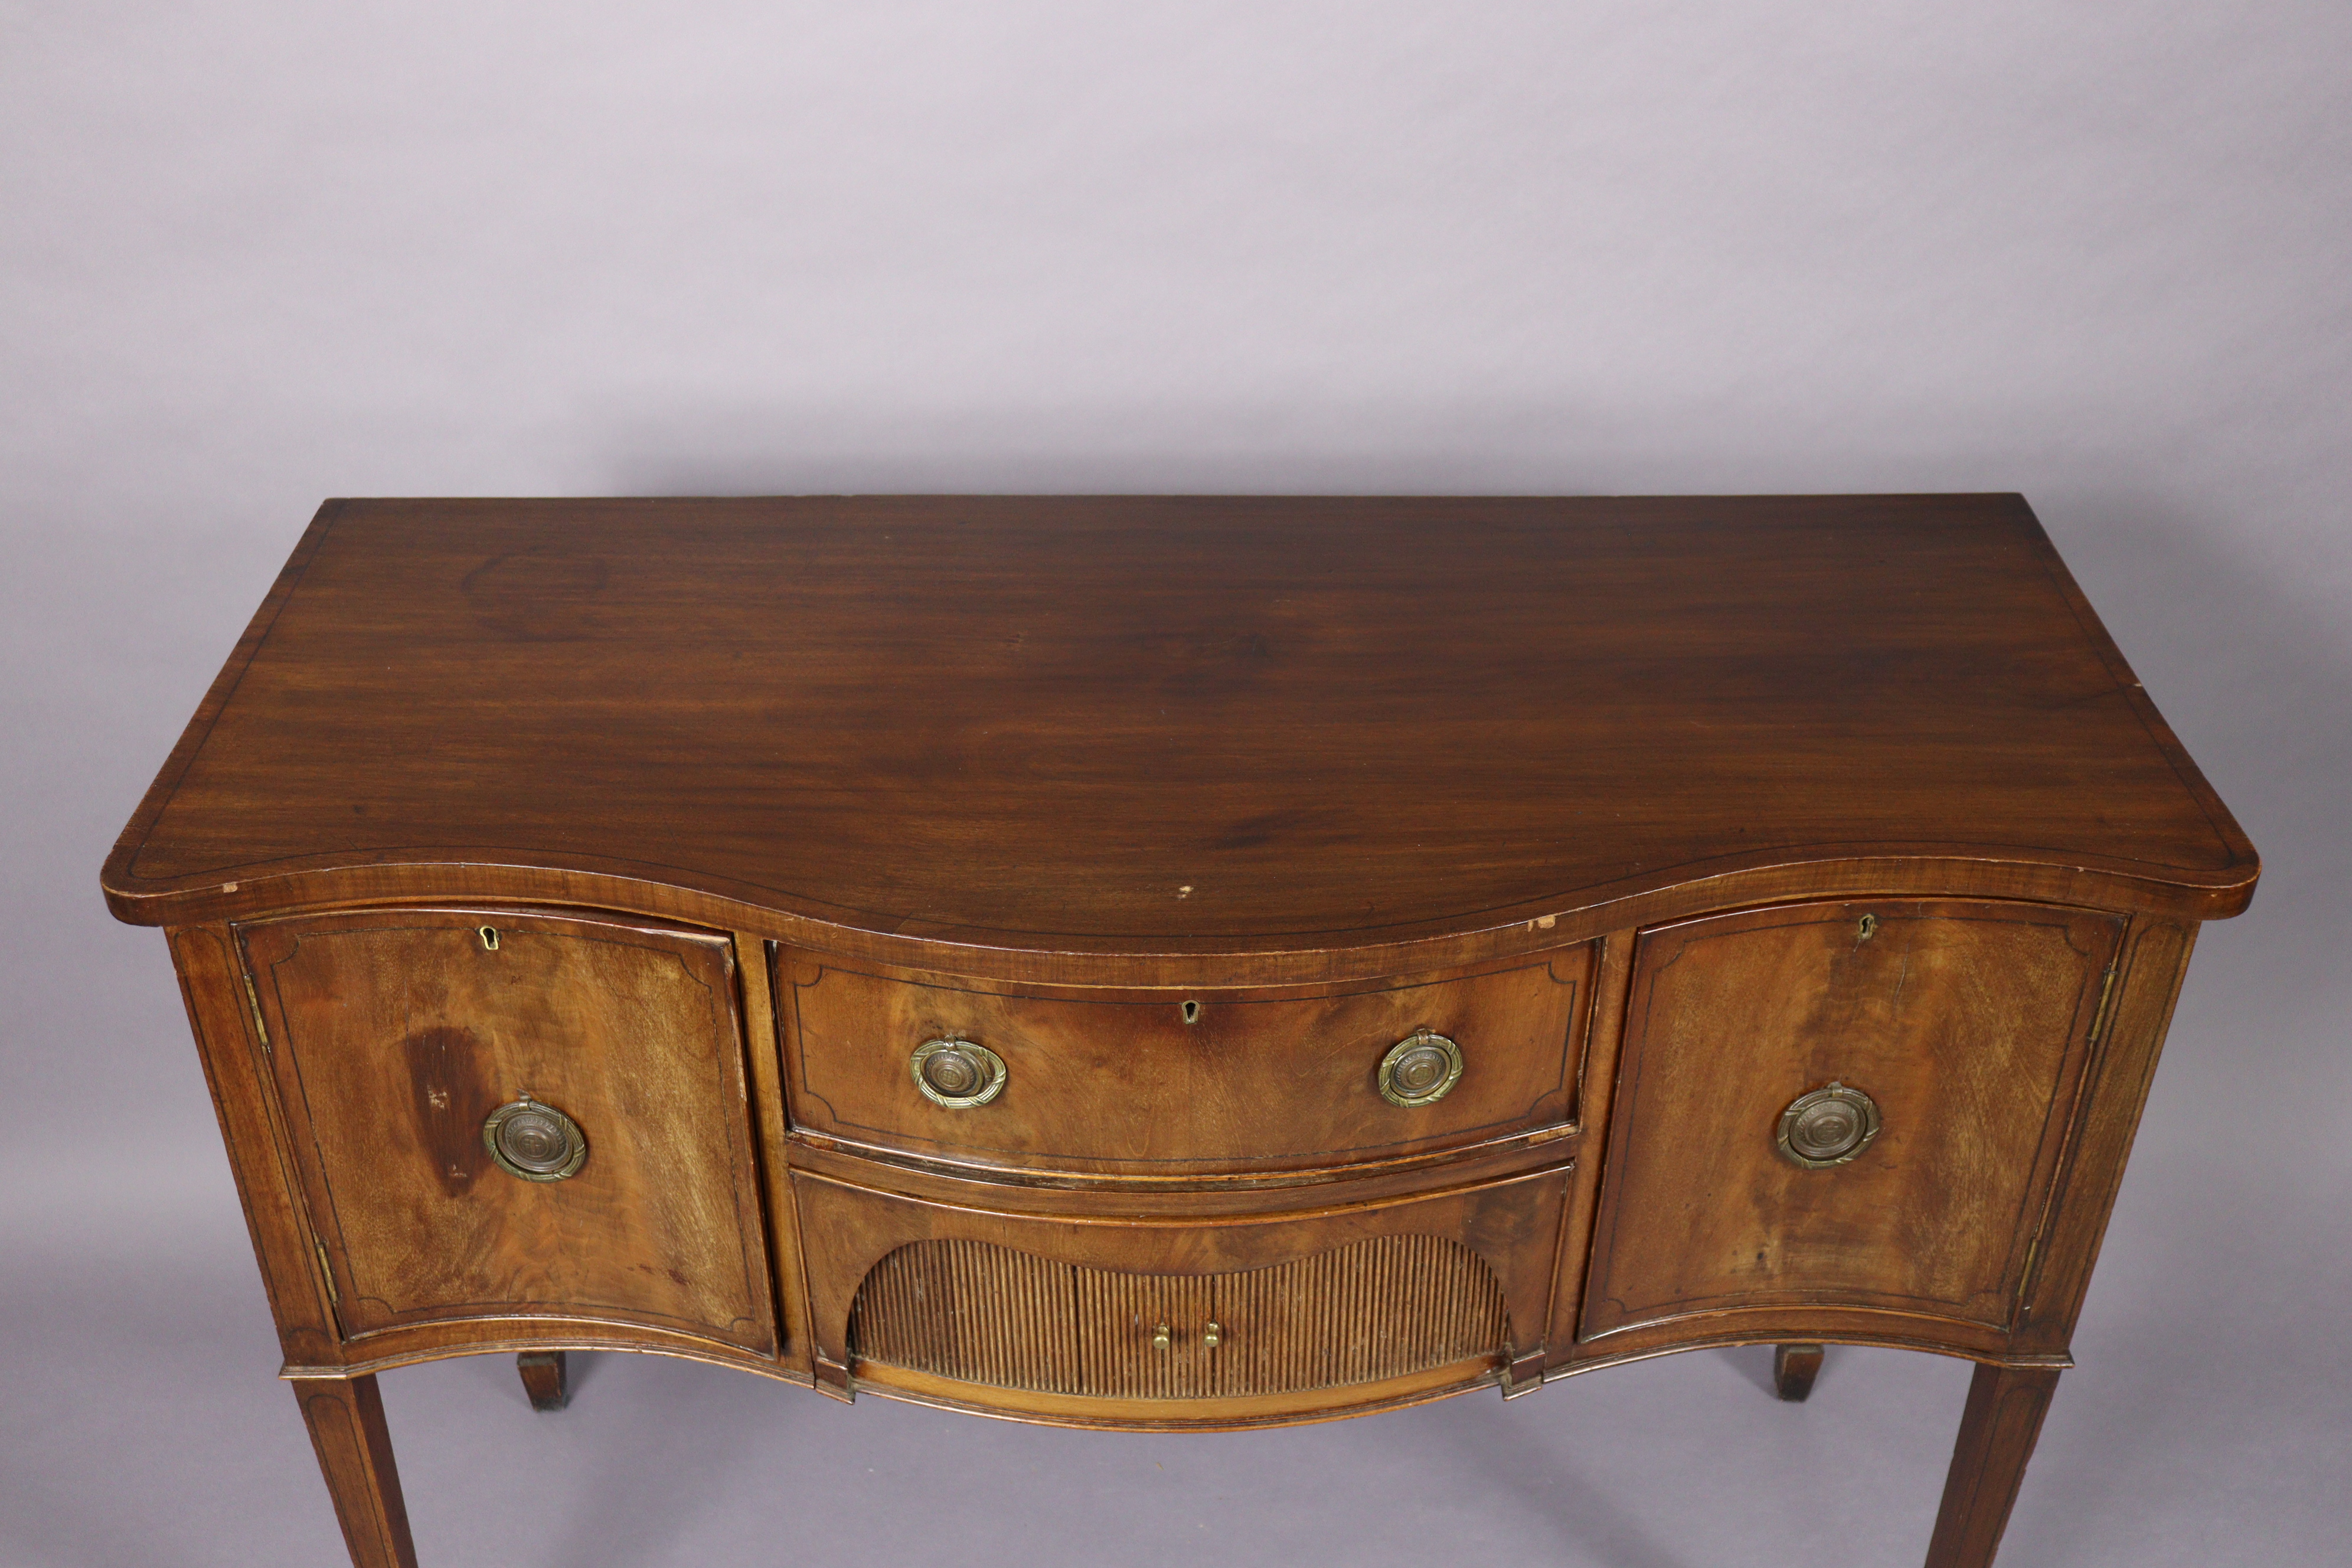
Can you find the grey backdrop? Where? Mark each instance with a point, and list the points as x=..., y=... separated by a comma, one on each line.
x=256, y=254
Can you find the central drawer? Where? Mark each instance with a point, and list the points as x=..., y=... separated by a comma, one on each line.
x=1180, y=1084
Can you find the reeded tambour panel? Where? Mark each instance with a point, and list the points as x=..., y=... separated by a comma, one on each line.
x=978, y=1312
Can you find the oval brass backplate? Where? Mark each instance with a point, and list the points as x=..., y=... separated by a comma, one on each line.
x=958, y=1074
x=1420, y=1069
x=1828, y=1126
x=534, y=1142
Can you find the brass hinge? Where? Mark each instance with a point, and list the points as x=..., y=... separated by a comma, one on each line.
x=2106, y=990
x=327, y=1273
x=252, y=1000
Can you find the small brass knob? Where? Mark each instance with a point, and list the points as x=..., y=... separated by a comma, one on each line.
x=1160, y=1339
x=1212, y=1337
x=534, y=1142
x=1828, y=1126
x=1420, y=1069
x=958, y=1074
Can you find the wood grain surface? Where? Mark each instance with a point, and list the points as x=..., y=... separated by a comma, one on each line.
x=1159, y=1085
x=396, y=1033
x=1140, y=724
x=1966, y=1023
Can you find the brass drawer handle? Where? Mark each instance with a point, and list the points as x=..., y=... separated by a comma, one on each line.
x=1212, y=1337
x=1161, y=1338
x=1420, y=1069
x=534, y=1142
x=958, y=1074
x=1828, y=1126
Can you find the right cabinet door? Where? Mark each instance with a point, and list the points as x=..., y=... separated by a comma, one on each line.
x=1843, y=1105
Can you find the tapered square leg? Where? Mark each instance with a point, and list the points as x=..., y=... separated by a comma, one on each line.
x=545, y=1376
x=1794, y=1367
x=1997, y=1432
x=346, y=1420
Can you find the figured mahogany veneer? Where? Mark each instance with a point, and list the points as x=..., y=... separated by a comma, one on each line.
x=394, y=1037
x=1966, y=1023
x=1378, y=947
x=1144, y=1084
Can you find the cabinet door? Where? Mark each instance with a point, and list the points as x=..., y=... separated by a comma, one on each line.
x=1955, y=1034
x=397, y=1034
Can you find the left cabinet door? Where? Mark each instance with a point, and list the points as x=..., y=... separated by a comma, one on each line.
x=396, y=1035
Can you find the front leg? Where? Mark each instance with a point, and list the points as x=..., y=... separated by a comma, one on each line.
x=346, y=1421
x=1997, y=1432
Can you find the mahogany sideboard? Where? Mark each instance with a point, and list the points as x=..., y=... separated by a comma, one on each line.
x=1177, y=962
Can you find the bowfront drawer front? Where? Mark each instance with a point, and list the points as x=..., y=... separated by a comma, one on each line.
x=1844, y=1105
x=1133, y=1321
x=505, y=1115
x=1177, y=1085
x=1362, y=1312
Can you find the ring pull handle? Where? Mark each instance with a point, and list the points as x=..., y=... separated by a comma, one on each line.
x=958, y=1074
x=534, y=1142
x=1827, y=1126
x=1420, y=1069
